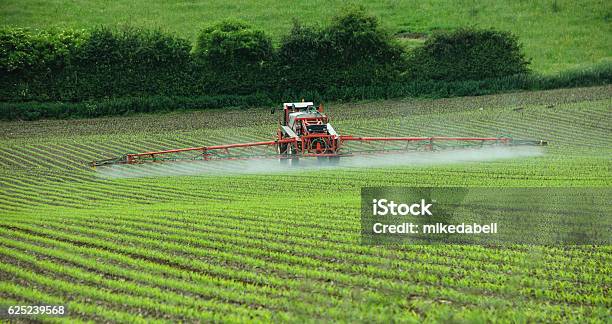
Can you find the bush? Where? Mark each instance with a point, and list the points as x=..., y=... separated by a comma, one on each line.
x=303, y=60
x=130, y=62
x=31, y=62
x=356, y=38
x=75, y=66
x=236, y=56
x=23, y=51
x=233, y=44
x=467, y=54
x=352, y=51
x=598, y=75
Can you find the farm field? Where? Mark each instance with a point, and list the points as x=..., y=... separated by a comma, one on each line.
x=557, y=35
x=286, y=246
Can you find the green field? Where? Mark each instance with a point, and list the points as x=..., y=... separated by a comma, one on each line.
x=557, y=35
x=286, y=246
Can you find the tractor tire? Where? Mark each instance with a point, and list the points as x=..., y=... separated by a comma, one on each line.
x=323, y=145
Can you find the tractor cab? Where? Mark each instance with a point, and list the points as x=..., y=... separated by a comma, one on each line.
x=303, y=118
x=295, y=113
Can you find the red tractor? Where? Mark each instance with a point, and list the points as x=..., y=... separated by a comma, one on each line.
x=305, y=131
x=308, y=131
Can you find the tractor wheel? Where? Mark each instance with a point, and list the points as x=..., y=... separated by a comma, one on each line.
x=319, y=143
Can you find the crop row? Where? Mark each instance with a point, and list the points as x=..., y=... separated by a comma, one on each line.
x=387, y=286
x=286, y=245
x=282, y=262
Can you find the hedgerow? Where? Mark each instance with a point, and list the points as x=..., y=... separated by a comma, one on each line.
x=599, y=75
x=60, y=74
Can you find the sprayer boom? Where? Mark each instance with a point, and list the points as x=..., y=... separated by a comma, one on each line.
x=305, y=131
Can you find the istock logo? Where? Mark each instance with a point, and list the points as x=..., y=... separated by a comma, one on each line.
x=485, y=216
x=383, y=207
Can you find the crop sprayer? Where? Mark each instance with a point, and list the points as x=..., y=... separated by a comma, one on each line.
x=304, y=131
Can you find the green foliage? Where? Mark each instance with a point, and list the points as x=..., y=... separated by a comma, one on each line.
x=72, y=73
x=354, y=50
x=134, y=47
x=599, y=75
x=75, y=66
x=357, y=37
x=467, y=54
x=555, y=41
x=235, y=58
x=233, y=44
x=129, y=62
x=33, y=62
x=304, y=59
x=27, y=52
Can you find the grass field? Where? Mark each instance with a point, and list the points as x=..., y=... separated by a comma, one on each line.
x=286, y=246
x=557, y=35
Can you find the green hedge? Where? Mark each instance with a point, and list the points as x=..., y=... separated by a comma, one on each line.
x=228, y=58
x=352, y=51
x=63, y=66
x=58, y=74
x=129, y=62
x=235, y=58
x=433, y=89
x=467, y=54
